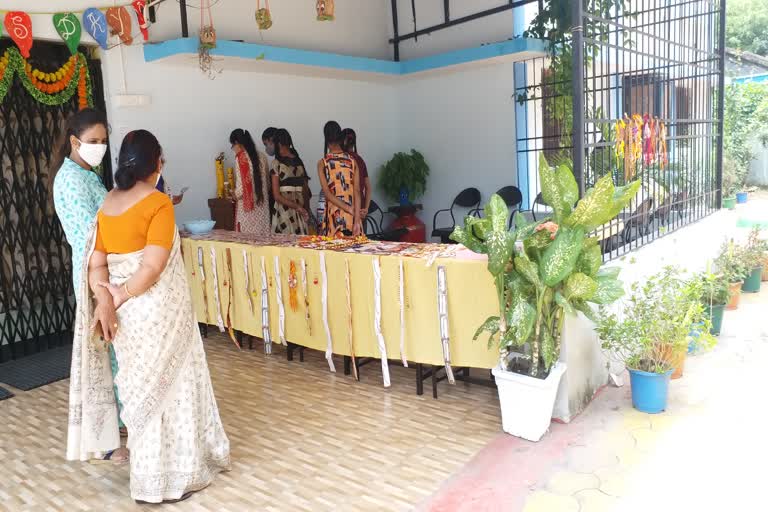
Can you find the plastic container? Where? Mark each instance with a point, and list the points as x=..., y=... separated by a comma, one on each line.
x=752, y=283
x=729, y=202
x=199, y=227
x=650, y=391
x=735, y=290
x=527, y=402
x=741, y=197
x=715, y=314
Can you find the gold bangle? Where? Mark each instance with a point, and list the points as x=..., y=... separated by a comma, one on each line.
x=127, y=291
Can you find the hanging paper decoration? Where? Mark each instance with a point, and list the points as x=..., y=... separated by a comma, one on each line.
x=69, y=28
x=120, y=22
x=96, y=25
x=19, y=26
x=49, y=88
x=325, y=9
x=263, y=15
x=140, y=6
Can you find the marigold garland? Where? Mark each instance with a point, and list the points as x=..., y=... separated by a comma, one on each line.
x=50, y=88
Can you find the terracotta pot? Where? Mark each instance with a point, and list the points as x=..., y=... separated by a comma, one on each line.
x=679, y=365
x=676, y=359
x=735, y=289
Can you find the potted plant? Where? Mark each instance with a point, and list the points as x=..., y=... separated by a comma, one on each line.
x=714, y=293
x=404, y=177
x=730, y=179
x=753, y=257
x=730, y=264
x=542, y=272
x=651, y=334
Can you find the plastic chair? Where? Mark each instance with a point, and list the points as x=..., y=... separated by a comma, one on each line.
x=467, y=198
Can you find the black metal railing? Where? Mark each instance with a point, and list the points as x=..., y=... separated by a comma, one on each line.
x=656, y=65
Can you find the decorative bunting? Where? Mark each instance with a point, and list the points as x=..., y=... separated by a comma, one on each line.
x=265, y=333
x=140, y=6
x=326, y=326
x=120, y=22
x=96, y=25
x=377, y=321
x=69, y=28
x=19, y=26
x=280, y=303
x=442, y=315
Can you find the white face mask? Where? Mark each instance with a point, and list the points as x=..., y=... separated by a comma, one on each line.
x=92, y=154
x=157, y=181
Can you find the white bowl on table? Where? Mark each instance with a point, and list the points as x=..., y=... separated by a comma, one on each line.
x=199, y=227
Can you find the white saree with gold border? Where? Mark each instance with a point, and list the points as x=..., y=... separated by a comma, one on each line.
x=176, y=438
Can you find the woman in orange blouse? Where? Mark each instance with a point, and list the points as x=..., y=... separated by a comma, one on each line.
x=338, y=180
x=176, y=439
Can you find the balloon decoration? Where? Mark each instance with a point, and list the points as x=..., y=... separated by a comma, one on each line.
x=96, y=25
x=69, y=28
x=140, y=6
x=19, y=27
x=50, y=88
x=120, y=22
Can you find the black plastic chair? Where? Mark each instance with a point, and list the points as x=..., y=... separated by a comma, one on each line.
x=513, y=198
x=374, y=228
x=467, y=198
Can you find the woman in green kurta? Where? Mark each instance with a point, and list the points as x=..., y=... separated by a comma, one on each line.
x=78, y=193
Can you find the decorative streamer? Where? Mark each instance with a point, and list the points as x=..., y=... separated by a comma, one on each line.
x=402, y=313
x=96, y=25
x=377, y=321
x=280, y=304
x=140, y=6
x=120, y=22
x=201, y=264
x=231, y=298
x=69, y=29
x=293, y=287
x=442, y=311
x=219, y=320
x=248, y=290
x=306, y=295
x=265, y=309
x=18, y=24
x=350, y=337
x=329, y=346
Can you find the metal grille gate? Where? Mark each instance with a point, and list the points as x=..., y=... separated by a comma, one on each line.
x=36, y=297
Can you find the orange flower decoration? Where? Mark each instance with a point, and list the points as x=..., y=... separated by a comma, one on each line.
x=548, y=226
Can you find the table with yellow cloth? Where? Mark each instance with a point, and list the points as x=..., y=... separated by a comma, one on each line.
x=470, y=298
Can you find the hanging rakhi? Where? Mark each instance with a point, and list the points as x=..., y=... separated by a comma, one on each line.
x=69, y=29
x=201, y=264
x=350, y=337
x=280, y=304
x=95, y=24
x=263, y=15
x=324, y=299
x=647, y=140
x=325, y=10
x=140, y=6
x=442, y=312
x=120, y=22
x=18, y=24
x=265, y=333
x=663, y=157
x=401, y=301
x=230, y=286
x=216, y=299
x=247, y=277
x=377, y=321
x=620, y=138
x=306, y=295
x=293, y=287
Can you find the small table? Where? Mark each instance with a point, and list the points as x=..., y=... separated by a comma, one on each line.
x=416, y=231
x=223, y=213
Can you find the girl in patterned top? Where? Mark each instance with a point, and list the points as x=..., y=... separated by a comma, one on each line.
x=289, y=188
x=78, y=193
x=251, y=192
x=338, y=178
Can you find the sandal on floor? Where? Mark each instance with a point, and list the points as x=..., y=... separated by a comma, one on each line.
x=123, y=432
x=108, y=458
x=183, y=497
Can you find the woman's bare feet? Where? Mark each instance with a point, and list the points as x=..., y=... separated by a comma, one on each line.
x=120, y=455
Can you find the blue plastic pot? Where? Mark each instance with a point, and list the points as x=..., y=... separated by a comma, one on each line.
x=741, y=197
x=649, y=390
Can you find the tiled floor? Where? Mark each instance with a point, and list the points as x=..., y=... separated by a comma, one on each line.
x=302, y=440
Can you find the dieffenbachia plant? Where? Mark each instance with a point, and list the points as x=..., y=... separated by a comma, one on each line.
x=546, y=269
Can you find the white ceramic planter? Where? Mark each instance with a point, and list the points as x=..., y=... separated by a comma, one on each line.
x=527, y=402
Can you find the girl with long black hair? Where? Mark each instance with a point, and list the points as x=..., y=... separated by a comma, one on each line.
x=289, y=187
x=338, y=178
x=251, y=194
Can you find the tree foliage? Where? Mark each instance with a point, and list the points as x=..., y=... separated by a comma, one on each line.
x=747, y=26
x=745, y=122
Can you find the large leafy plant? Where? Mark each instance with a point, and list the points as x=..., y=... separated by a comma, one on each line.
x=545, y=270
x=404, y=170
x=713, y=288
x=731, y=263
x=655, y=324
